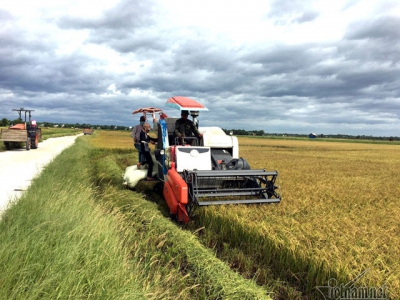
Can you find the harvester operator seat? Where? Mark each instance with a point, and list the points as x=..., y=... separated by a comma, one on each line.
x=185, y=140
x=171, y=128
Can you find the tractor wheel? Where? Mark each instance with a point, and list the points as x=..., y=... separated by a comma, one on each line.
x=28, y=144
x=35, y=142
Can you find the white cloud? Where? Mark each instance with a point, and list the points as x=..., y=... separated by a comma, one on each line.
x=300, y=65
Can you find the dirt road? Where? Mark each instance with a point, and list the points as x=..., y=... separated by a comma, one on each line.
x=18, y=167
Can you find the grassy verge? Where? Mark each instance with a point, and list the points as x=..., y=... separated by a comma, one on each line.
x=58, y=132
x=58, y=244
x=77, y=234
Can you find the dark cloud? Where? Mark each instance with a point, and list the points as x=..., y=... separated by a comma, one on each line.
x=37, y=72
x=124, y=27
x=131, y=42
x=350, y=85
x=125, y=15
x=307, y=16
x=382, y=28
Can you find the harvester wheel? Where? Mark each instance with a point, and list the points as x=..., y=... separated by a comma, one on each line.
x=7, y=145
x=173, y=217
x=28, y=144
x=158, y=187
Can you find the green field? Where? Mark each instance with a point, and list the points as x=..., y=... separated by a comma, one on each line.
x=339, y=217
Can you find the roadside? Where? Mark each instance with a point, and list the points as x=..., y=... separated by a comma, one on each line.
x=18, y=167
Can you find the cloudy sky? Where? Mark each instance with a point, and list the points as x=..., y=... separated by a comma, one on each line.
x=285, y=66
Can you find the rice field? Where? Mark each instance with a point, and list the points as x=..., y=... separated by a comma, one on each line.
x=339, y=215
x=112, y=139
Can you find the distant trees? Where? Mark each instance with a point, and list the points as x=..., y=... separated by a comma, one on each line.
x=244, y=132
x=4, y=122
x=236, y=131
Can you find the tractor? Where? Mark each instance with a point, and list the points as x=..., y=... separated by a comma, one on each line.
x=26, y=132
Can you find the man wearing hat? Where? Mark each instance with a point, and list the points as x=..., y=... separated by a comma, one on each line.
x=185, y=127
x=136, y=139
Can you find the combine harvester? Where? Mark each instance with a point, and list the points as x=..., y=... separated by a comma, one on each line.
x=208, y=171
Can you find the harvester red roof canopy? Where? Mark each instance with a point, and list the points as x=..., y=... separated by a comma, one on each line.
x=184, y=103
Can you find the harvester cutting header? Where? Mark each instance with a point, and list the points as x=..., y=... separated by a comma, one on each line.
x=202, y=171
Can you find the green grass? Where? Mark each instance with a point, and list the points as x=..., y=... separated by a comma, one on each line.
x=57, y=243
x=78, y=234
x=58, y=132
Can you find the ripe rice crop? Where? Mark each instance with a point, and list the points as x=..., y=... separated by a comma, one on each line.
x=338, y=217
x=112, y=139
x=339, y=213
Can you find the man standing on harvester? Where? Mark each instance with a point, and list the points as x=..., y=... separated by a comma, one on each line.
x=145, y=139
x=185, y=127
x=136, y=139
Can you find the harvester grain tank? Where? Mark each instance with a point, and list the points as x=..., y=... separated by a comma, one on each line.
x=205, y=171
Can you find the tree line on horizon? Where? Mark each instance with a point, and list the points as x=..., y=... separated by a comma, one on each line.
x=338, y=136
x=4, y=122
